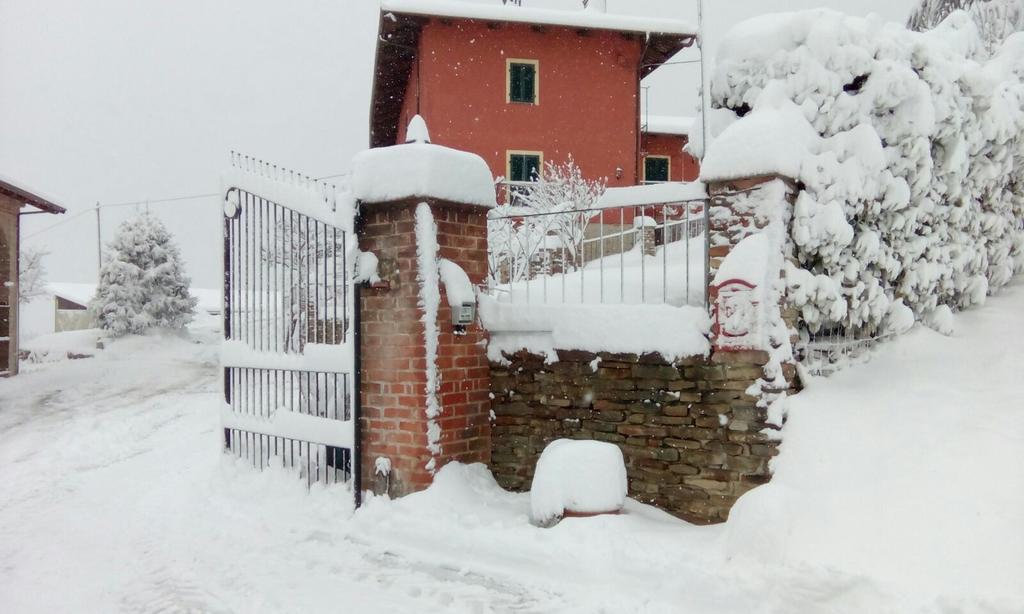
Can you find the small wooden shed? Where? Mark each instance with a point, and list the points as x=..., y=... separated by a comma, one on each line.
x=14, y=199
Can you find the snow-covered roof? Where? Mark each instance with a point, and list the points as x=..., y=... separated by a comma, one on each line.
x=580, y=19
x=421, y=170
x=74, y=292
x=29, y=195
x=668, y=124
x=652, y=194
x=82, y=293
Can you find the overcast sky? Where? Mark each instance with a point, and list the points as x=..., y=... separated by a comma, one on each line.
x=114, y=101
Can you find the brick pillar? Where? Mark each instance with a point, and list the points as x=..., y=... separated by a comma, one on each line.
x=393, y=354
x=734, y=210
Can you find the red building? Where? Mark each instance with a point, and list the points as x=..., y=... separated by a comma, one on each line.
x=662, y=150
x=522, y=86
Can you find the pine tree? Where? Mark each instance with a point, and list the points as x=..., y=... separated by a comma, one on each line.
x=142, y=282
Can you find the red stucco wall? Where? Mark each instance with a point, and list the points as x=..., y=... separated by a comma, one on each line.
x=587, y=95
x=682, y=167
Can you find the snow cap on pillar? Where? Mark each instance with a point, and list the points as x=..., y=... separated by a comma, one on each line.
x=417, y=132
x=421, y=170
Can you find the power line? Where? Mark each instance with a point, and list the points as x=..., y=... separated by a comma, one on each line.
x=157, y=201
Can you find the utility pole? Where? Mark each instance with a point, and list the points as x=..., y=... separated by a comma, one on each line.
x=99, y=244
x=705, y=85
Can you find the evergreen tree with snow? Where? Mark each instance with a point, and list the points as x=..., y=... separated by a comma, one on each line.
x=142, y=282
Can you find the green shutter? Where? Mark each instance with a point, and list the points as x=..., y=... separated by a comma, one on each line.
x=532, y=168
x=528, y=81
x=522, y=81
x=516, y=163
x=656, y=169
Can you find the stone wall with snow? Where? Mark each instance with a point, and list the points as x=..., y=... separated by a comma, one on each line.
x=692, y=437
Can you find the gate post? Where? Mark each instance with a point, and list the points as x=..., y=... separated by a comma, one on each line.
x=422, y=405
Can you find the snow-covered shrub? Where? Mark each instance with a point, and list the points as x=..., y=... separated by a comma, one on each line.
x=142, y=281
x=996, y=19
x=585, y=477
x=913, y=171
x=515, y=242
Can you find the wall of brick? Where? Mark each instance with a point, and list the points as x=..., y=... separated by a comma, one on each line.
x=394, y=367
x=690, y=434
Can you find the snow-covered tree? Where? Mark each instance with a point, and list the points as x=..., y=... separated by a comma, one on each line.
x=31, y=273
x=142, y=282
x=996, y=19
x=561, y=193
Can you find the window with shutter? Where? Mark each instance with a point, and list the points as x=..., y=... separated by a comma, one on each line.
x=522, y=81
x=523, y=166
x=656, y=169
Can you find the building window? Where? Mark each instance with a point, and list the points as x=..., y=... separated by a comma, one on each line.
x=521, y=81
x=524, y=165
x=656, y=169
x=521, y=168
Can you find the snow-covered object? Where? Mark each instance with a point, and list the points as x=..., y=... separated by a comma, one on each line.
x=142, y=282
x=668, y=124
x=457, y=286
x=585, y=477
x=366, y=268
x=429, y=302
x=313, y=198
x=673, y=332
x=651, y=194
x=909, y=149
x=598, y=20
x=644, y=221
x=772, y=140
x=382, y=465
x=941, y=320
x=320, y=357
x=417, y=131
x=900, y=318
x=421, y=170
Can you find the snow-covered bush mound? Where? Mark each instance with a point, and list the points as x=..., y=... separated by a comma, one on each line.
x=65, y=345
x=909, y=149
x=584, y=477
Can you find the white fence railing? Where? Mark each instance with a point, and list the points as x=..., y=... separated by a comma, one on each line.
x=653, y=254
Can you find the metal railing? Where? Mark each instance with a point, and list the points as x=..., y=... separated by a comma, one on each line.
x=653, y=254
x=828, y=351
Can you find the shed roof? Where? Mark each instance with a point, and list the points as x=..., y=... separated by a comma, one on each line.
x=28, y=196
x=668, y=124
x=402, y=20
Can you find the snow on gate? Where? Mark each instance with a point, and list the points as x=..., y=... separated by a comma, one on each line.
x=289, y=350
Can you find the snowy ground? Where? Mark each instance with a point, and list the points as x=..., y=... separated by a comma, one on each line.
x=899, y=489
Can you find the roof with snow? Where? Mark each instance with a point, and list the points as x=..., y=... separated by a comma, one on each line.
x=420, y=169
x=652, y=194
x=401, y=22
x=28, y=196
x=668, y=124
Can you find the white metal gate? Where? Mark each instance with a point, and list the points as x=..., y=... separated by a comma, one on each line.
x=289, y=351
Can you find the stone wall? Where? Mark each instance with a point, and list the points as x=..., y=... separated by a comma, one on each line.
x=690, y=434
